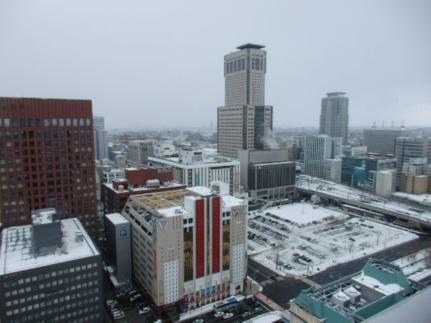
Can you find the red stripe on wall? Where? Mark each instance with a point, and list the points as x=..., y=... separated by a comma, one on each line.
x=200, y=238
x=216, y=234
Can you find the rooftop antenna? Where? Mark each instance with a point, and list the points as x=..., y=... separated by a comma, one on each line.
x=374, y=124
x=392, y=123
x=383, y=124
x=402, y=124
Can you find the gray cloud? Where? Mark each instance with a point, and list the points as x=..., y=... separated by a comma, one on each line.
x=159, y=63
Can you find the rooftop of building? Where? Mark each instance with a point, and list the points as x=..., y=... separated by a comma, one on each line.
x=171, y=203
x=116, y=218
x=331, y=94
x=17, y=253
x=270, y=317
x=43, y=216
x=403, y=310
x=143, y=188
x=357, y=297
x=250, y=46
x=214, y=160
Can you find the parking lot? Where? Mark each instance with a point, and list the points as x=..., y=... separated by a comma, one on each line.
x=304, y=239
x=129, y=302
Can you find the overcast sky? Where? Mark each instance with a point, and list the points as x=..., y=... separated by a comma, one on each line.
x=160, y=63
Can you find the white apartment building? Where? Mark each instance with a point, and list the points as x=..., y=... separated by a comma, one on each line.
x=193, y=168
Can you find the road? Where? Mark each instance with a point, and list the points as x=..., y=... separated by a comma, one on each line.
x=278, y=288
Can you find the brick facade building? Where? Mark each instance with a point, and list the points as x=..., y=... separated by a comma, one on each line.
x=47, y=160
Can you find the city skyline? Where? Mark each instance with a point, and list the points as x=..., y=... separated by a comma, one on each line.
x=122, y=64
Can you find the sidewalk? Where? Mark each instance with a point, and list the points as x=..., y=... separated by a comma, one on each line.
x=268, y=302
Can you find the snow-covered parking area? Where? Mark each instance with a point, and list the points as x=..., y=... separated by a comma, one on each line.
x=303, y=239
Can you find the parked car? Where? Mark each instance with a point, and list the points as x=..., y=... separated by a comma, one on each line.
x=227, y=316
x=144, y=310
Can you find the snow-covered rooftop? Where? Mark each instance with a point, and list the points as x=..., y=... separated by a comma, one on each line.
x=43, y=216
x=116, y=218
x=200, y=190
x=302, y=213
x=230, y=201
x=16, y=248
x=205, y=162
x=142, y=188
x=173, y=211
x=372, y=283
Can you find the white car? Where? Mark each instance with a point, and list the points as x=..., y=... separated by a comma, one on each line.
x=218, y=314
x=144, y=310
x=227, y=316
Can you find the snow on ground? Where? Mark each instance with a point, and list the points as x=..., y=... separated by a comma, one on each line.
x=307, y=238
x=424, y=199
x=347, y=192
x=416, y=266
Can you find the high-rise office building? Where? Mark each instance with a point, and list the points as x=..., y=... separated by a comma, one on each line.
x=47, y=160
x=334, y=116
x=189, y=246
x=318, y=149
x=244, y=72
x=100, y=138
x=245, y=122
x=50, y=271
x=381, y=140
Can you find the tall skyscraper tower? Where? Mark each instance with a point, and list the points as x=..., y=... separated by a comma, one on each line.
x=245, y=121
x=100, y=138
x=244, y=72
x=334, y=116
x=47, y=160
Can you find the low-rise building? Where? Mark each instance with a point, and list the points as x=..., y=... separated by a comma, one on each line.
x=136, y=181
x=138, y=152
x=189, y=247
x=385, y=182
x=118, y=245
x=332, y=170
x=355, y=298
x=50, y=271
x=267, y=174
x=361, y=171
x=194, y=168
x=415, y=177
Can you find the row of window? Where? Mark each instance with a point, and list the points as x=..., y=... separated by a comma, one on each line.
x=54, y=301
x=6, y=122
x=52, y=274
x=60, y=318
